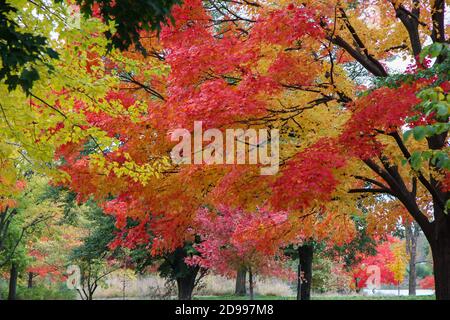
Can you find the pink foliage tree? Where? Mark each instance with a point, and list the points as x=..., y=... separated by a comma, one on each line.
x=233, y=239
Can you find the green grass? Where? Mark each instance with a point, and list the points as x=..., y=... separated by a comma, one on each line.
x=432, y=297
x=356, y=297
x=232, y=297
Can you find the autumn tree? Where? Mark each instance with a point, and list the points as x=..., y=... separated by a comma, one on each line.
x=390, y=262
x=399, y=263
x=366, y=147
x=31, y=220
x=137, y=239
x=313, y=70
x=228, y=243
x=49, y=249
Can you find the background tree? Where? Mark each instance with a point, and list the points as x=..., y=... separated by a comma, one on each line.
x=412, y=233
x=93, y=256
x=226, y=244
x=32, y=218
x=399, y=263
x=390, y=260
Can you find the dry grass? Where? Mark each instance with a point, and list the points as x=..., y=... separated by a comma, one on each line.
x=140, y=287
x=154, y=287
x=213, y=285
x=273, y=287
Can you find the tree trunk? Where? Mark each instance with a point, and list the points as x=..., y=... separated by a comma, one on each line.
x=412, y=275
x=90, y=295
x=186, y=286
x=241, y=276
x=299, y=278
x=185, y=275
x=305, y=254
x=439, y=234
x=13, y=282
x=30, y=280
x=250, y=283
x=439, y=239
x=412, y=234
x=441, y=264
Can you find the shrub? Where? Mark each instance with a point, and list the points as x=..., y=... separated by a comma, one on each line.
x=424, y=270
x=427, y=282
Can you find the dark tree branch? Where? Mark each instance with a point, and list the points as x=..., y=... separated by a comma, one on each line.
x=369, y=190
x=369, y=65
x=421, y=177
x=437, y=16
x=402, y=194
x=361, y=47
x=372, y=181
x=129, y=78
x=411, y=22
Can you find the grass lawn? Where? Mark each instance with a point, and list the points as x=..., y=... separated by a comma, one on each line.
x=432, y=297
x=231, y=297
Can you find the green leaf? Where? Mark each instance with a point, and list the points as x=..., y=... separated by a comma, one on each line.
x=416, y=160
x=419, y=133
x=430, y=130
x=442, y=109
x=407, y=134
x=435, y=49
